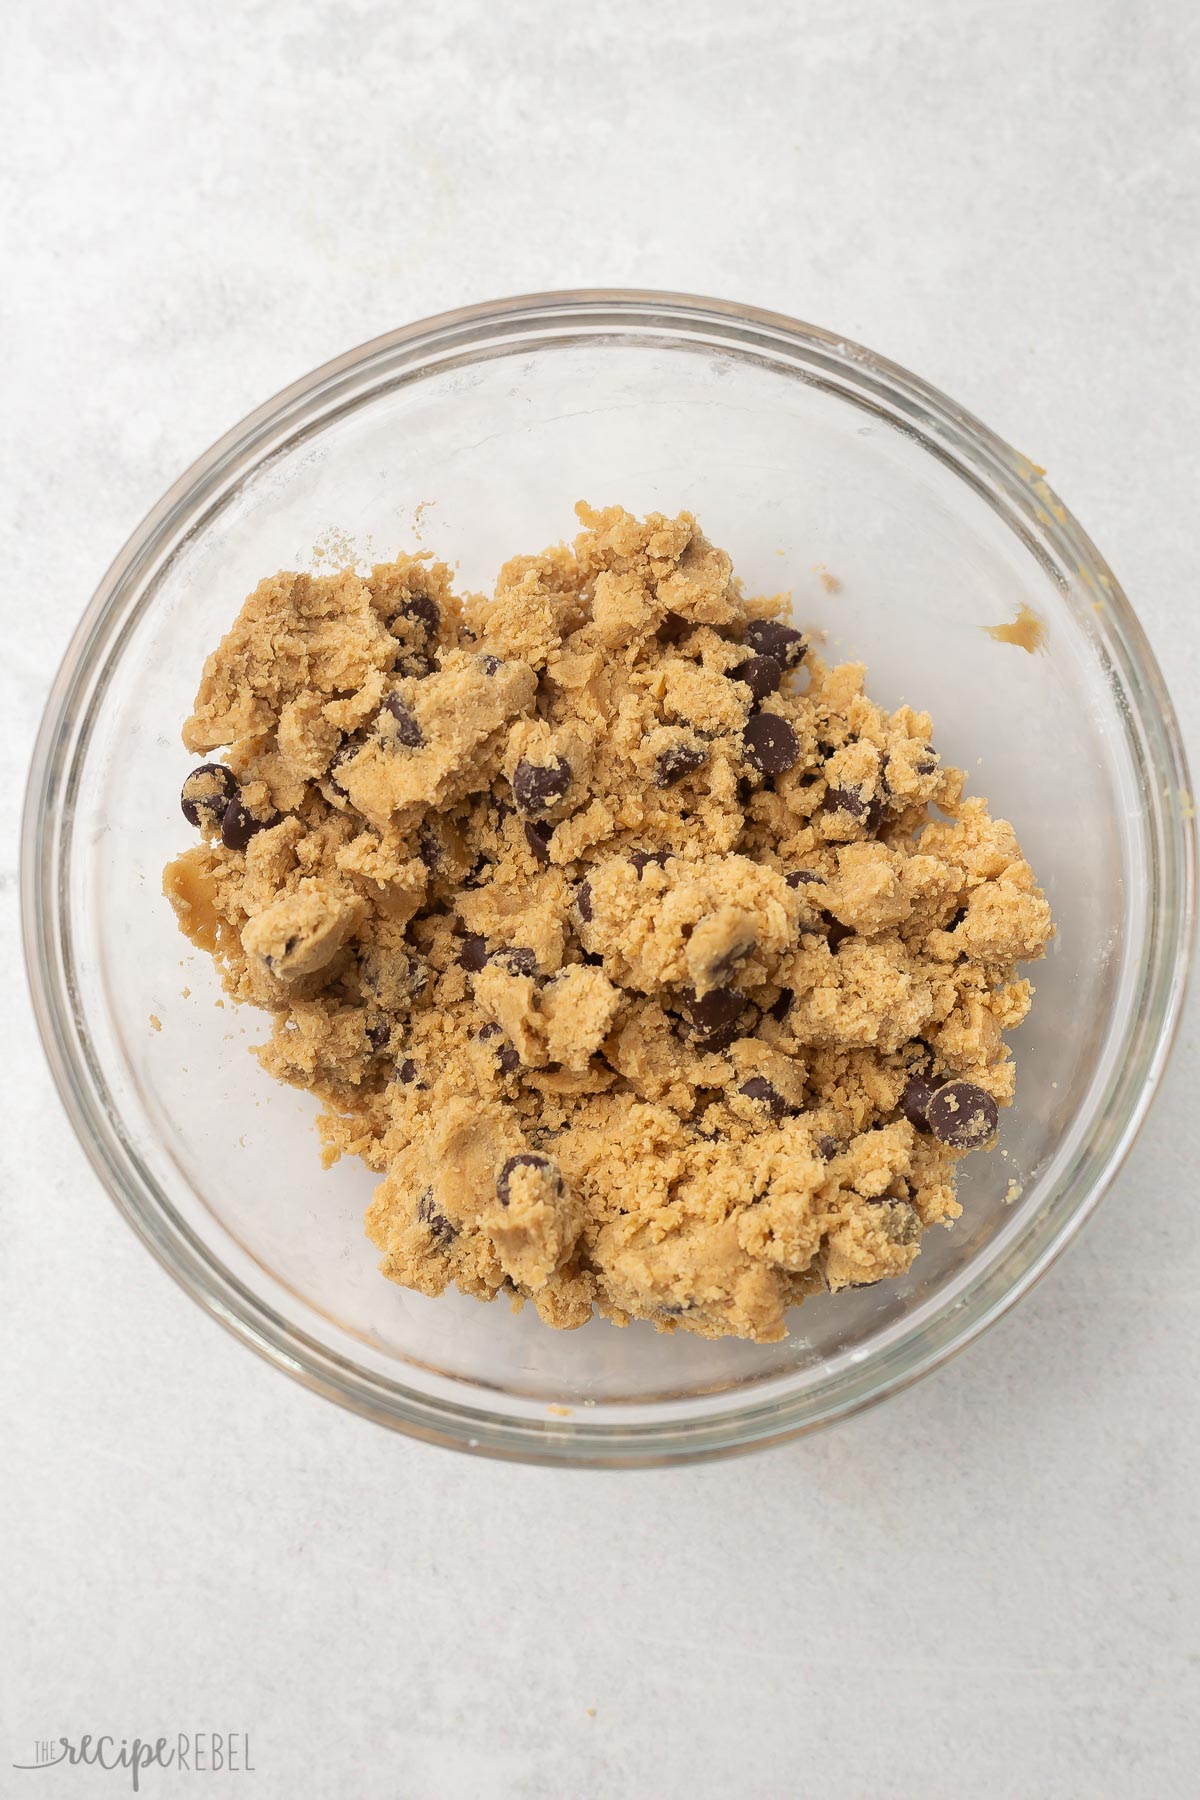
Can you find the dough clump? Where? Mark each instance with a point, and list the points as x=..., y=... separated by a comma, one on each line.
x=611, y=926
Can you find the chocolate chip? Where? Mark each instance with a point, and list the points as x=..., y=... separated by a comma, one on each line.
x=771, y=637
x=473, y=953
x=901, y=1221
x=406, y=1071
x=537, y=835
x=779, y=1009
x=721, y=1006
x=845, y=799
x=914, y=1101
x=424, y=613
x=712, y=1042
x=676, y=761
x=489, y=664
x=238, y=825
x=539, y=786
x=828, y=1147
x=583, y=901
x=505, y=1053
x=439, y=1225
x=641, y=859
x=429, y=850
x=804, y=878
x=761, y=674
x=838, y=933
x=527, y=1159
x=206, y=793
x=379, y=1033
x=518, y=959
x=928, y=761
x=724, y=966
x=771, y=745
x=760, y=1089
x=407, y=731
x=344, y=754
x=962, y=1115
x=673, y=628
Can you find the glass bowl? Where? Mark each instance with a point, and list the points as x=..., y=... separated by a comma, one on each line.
x=903, y=529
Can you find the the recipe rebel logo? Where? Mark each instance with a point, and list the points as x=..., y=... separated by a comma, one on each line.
x=195, y=1752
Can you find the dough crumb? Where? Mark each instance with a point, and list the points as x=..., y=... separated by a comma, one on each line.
x=1026, y=631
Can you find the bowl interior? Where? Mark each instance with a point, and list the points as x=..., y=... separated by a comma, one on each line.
x=884, y=543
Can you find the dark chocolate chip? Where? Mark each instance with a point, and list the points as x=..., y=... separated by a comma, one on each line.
x=473, y=952
x=539, y=786
x=876, y=812
x=721, y=1006
x=429, y=850
x=537, y=835
x=761, y=674
x=804, y=878
x=506, y=1054
x=518, y=959
x=439, y=1225
x=779, y=1009
x=583, y=901
x=489, y=664
x=423, y=611
x=828, y=1147
x=902, y=1222
x=407, y=731
x=771, y=637
x=771, y=745
x=208, y=791
x=406, y=1071
x=641, y=859
x=379, y=1033
x=914, y=1101
x=962, y=1115
x=845, y=799
x=711, y=1042
x=928, y=761
x=720, y=970
x=760, y=1089
x=838, y=933
x=344, y=754
x=238, y=825
x=676, y=761
x=526, y=1159
x=673, y=628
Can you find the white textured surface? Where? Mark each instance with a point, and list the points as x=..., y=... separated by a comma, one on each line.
x=988, y=1588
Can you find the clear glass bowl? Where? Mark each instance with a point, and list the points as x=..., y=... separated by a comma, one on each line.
x=475, y=433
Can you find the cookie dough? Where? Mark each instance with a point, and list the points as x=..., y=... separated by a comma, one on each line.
x=610, y=924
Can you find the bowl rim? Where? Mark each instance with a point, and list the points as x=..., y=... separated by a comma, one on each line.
x=1050, y=531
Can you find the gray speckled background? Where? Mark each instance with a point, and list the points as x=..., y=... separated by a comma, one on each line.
x=986, y=1589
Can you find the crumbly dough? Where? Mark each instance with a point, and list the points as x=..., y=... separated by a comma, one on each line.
x=611, y=926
